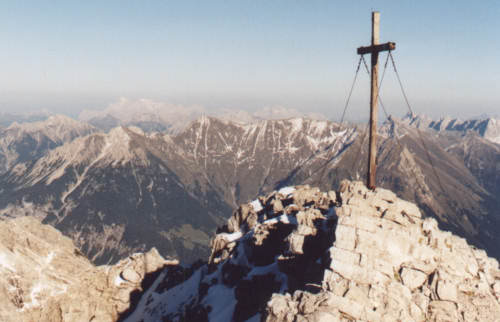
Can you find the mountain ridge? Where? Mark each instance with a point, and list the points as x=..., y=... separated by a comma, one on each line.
x=27, y=141
x=214, y=165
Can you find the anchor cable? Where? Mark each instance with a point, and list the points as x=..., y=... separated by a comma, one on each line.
x=387, y=115
x=351, y=90
x=418, y=130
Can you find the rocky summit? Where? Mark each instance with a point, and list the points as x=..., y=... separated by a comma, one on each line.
x=299, y=254
x=43, y=277
x=296, y=254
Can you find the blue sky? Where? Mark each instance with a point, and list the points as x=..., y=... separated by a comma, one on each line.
x=68, y=55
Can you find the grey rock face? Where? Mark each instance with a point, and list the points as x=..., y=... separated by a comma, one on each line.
x=350, y=255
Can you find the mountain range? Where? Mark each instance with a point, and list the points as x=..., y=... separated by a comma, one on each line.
x=487, y=127
x=129, y=189
x=26, y=141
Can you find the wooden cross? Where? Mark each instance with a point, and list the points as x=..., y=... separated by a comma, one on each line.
x=374, y=49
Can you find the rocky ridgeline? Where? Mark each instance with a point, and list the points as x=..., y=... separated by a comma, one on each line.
x=299, y=254
x=43, y=277
x=389, y=264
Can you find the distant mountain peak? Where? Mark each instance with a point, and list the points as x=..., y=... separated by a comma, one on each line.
x=52, y=120
x=486, y=127
x=26, y=141
x=97, y=148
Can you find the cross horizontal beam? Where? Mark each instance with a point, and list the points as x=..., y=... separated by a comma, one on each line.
x=376, y=48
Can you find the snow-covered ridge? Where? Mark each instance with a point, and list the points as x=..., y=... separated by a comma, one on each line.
x=283, y=136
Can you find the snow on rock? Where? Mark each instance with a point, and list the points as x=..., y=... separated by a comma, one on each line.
x=286, y=191
x=83, y=153
x=256, y=205
x=6, y=263
x=26, y=141
x=492, y=131
x=256, y=254
x=43, y=277
x=353, y=254
x=59, y=128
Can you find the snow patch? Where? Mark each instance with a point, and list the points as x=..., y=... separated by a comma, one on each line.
x=5, y=263
x=182, y=293
x=285, y=219
x=257, y=206
x=222, y=301
x=287, y=191
x=319, y=126
x=118, y=280
x=35, y=295
x=232, y=237
x=296, y=124
x=50, y=257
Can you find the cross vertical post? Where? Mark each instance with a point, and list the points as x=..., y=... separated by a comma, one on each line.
x=374, y=49
x=372, y=155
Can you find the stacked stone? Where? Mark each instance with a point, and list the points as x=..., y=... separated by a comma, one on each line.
x=389, y=264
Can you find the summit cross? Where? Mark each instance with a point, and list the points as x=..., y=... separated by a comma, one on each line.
x=374, y=49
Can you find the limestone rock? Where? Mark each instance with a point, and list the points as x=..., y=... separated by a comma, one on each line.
x=350, y=255
x=413, y=278
x=447, y=291
x=43, y=277
x=389, y=264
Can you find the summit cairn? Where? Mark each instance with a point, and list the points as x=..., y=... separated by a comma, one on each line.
x=299, y=254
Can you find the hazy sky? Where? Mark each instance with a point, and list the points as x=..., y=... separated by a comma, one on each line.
x=68, y=55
